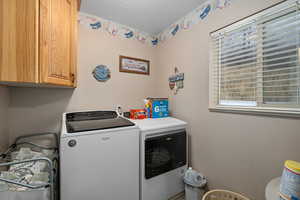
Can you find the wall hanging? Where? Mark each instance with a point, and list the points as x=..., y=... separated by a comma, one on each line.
x=176, y=81
x=134, y=65
x=101, y=73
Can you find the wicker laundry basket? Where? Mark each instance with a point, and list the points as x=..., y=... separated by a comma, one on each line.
x=223, y=195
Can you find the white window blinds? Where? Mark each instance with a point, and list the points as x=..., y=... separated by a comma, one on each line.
x=255, y=63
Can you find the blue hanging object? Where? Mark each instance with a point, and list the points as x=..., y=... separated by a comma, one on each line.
x=101, y=73
x=205, y=12
x=129, y=34
x=175, y=30
x=155, y=42
x=96, y=25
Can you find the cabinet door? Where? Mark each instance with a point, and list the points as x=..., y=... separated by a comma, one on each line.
x=19, y=41
x=58, y=38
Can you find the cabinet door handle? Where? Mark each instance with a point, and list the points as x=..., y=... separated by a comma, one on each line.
x=73, y=77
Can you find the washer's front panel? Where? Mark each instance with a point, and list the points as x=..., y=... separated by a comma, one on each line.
x=100, y=166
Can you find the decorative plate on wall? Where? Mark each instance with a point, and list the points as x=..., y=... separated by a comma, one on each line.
x=101, y=73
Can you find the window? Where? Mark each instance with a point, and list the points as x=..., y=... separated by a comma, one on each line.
x=255, y=63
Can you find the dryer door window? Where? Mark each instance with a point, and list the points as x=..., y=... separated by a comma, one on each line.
x=164, y=153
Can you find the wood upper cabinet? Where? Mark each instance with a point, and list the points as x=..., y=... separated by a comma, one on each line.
x=38, y=42
x=19, y=41
x=58, y=19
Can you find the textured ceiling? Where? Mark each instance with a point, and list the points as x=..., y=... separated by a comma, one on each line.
x=150, y=16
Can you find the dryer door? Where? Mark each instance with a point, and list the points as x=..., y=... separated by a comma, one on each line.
x=164, y=153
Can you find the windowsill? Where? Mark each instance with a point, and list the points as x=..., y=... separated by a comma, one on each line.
x=257, y=111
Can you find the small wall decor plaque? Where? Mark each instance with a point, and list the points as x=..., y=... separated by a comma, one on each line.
x=101, y=73
x=134, y=65
x=176, y=81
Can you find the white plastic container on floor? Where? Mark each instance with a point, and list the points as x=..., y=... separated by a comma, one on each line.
x=193, y=193
x=290, y=181
x=194, y=185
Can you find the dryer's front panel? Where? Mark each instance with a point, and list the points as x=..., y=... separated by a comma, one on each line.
x=163, y=163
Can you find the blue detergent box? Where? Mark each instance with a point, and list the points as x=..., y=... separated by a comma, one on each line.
x=159, y=107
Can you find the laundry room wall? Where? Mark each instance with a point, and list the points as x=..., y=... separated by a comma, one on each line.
x=4, y=103
x=237, y=152
x=40, y=109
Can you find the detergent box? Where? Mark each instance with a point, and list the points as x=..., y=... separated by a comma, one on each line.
x=159, y=107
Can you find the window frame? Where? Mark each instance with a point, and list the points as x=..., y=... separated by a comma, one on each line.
x=283, y=110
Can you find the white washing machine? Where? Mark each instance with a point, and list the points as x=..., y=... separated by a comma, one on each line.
x=99, y=157
x=163, y=151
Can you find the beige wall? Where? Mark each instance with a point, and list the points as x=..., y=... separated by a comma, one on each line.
x=4, y=103
x=237, y=152
x=35, y=110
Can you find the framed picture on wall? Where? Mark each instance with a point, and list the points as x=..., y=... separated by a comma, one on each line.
x=134, y=65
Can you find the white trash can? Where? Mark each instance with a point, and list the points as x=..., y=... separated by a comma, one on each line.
x=194, y=185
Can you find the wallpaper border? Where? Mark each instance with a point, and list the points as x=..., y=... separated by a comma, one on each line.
x=185, y=23
x=115, y=29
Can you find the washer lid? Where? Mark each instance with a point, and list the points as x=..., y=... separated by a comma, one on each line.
x=94, y=120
